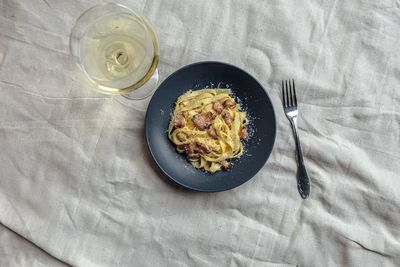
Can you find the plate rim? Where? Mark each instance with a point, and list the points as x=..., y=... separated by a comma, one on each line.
x=160, y=165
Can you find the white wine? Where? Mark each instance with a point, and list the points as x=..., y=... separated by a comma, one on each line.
x=117, y=52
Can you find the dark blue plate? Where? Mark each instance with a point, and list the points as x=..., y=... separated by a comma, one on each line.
x=254, y=100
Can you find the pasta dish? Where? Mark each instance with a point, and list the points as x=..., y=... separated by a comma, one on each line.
x=208, y=126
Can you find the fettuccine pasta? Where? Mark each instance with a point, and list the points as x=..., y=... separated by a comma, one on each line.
x=208, y=126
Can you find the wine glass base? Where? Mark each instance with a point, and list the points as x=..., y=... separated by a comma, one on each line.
x=139, y=98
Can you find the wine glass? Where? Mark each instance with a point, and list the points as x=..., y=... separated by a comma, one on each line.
x=117, y=50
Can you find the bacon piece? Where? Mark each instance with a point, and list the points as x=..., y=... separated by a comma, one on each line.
x=200, y=121
x=189, y=149
x=243, y=134
x=210, y=116
x=180, y=121
x=218, y=107
x=227, y=117
x=212, y=133
x=203, y=120
x=225, y=164
x=229, y=103
x=204, y=148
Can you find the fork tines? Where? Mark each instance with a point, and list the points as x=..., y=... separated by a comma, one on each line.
x=289, y=93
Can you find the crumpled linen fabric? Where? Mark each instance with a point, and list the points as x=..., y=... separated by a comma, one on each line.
x=77, y=181
x=17, y=251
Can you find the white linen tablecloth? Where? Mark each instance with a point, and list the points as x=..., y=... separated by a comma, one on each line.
x=77, y=182
x=17, y=251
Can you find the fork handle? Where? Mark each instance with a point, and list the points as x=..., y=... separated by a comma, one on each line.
x=303, y=182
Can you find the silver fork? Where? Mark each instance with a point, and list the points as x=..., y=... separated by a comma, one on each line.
x=289, y=101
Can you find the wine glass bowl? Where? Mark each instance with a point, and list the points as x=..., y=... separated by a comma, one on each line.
x=116, y=49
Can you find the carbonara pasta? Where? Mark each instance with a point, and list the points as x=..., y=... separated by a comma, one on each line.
x=208, y=126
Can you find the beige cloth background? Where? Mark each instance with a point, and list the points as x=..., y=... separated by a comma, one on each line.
x=17, y=251
x=76, y=179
